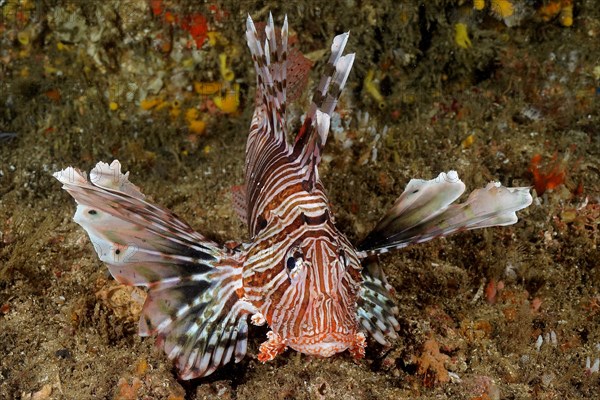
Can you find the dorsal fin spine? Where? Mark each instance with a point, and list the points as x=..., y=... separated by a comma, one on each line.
x=270, y=64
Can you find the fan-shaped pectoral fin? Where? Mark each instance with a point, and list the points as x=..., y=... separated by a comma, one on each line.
x=426, y=210
x=193, y=303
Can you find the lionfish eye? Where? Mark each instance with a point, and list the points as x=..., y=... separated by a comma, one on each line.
x=291, y=263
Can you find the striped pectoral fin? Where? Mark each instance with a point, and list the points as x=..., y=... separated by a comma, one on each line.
x=425, y=211
x=142, y=243
x=376, y=311
x=192, y=303
x=200, y=323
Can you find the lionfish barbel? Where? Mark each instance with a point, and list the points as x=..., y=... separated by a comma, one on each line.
x=298, y=273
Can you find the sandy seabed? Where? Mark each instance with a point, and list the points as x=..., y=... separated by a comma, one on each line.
x=502, y=313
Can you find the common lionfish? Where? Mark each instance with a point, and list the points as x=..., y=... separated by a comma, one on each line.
x=298, y=273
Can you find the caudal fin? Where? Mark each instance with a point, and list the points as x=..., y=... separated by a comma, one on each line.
x=425, y=211
x=192, y=304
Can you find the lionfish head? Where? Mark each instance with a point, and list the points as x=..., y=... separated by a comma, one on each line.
x=317, y=314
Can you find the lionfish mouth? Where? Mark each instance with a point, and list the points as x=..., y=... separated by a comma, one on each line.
x=322, y=345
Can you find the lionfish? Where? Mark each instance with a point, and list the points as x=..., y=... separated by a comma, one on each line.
x=297, y=273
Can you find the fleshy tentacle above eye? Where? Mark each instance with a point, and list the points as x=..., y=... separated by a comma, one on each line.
x=425, y=211
x=192, y=304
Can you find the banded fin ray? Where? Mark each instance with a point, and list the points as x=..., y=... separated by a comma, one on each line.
x=267, y=145
x=278, y=62
x=313, y=134
x=425, y=211
x=376, y=311
x=192, y=303
x=271, y=69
